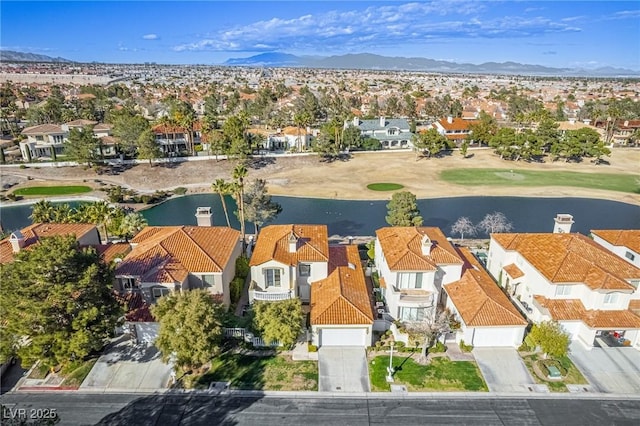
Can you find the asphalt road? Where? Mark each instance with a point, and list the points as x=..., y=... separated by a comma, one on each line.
x=193, y=409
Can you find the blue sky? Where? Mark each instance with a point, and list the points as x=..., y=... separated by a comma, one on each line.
x=573, y=34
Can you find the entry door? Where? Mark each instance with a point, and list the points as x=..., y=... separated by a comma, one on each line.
x=304, y=292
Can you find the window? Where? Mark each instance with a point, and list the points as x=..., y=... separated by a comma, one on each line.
x=410, y=280
x=208, y=280
x=610, y=298
x=304, y=270
x=128, y=283
x=563, y=290
x=412, y=314
x=630, y=256
x=272, y=277
x=159, y=292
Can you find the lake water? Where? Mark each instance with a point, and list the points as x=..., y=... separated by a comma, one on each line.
x=346, y=217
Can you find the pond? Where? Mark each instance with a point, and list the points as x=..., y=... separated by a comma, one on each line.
x=348, y=217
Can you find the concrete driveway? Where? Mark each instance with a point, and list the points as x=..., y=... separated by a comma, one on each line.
x=343, y=369
x=128, y=367
x=611, y=370
x=503, y=370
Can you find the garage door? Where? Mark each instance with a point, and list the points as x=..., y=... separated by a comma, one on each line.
x=343, y=337
x=497, y=336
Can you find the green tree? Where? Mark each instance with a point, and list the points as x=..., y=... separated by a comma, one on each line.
x=129, y=225
x=222, y=188
x=430, y=142
x=57, y=296
x=43, y=212
x=128, y=127
x=82, y=146
x=278, y=321
x=402, y=210
x=234, y=130
x=551, y=338
x=483, y=129
x=148, y=147
x=258, y=206
x=239, y=174
x=183, y=114
x=464, y=148
x=352, y=137
x=190, y=328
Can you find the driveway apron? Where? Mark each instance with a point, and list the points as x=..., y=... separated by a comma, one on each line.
x=343, y=369
x=503, y=370
x=612, y=370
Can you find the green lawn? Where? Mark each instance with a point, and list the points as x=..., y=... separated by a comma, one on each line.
x=439, y=375
x=261, y=373
x=76, y=376
x=573, y=376
x=509, y=177
x=384, y=186
x=52, y=190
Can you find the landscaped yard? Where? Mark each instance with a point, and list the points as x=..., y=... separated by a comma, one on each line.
x=52, y=190
x=384, y=186
x=439, y=375
x=275, y=372
x=77, y=373
x=508, y=177
x=571, y=375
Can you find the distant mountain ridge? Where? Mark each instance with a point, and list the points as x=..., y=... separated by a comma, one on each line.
x=13, y=56
x=372, y=61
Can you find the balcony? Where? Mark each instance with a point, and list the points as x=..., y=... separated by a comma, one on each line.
x=271, y=296
x=411, y=295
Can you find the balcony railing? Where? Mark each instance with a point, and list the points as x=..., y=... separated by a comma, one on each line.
x=271, y=296
x=414, y=295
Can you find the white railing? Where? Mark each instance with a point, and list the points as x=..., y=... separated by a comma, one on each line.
x=234, y=332
x=271, y=296
x=259, y=341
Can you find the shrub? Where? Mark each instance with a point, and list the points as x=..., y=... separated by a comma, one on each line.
x=22, y=166
x=439, y=347
x=312, y=348
x=399, y=345
x=464, y=347
x=235, y=289
x=181, y=190
x=242, y=267
x=524, y=347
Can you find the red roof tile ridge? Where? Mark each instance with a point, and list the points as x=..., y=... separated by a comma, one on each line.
x=195, y=243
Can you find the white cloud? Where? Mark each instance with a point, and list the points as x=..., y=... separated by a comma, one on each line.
x=150, y=37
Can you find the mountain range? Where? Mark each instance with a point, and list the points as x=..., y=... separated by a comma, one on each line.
x=13, y=56
x=377, y=62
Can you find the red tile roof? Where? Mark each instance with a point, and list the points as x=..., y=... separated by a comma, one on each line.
x=33, y=233
x=402, y=248
x=574, y=310
x=170, y=253
x=479, y=300
x=273, y=244
x=629, y=238
x=43, y=129
x=343, y=298
x=571, y=258
x=456, y=124
x=513, y=271
x=111, y=252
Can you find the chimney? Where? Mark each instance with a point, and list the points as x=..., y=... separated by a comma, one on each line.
x=449, y=119
x=293, y=243
x=563, y=224
x=626, y=123
x=204, y=217
x=356, y=121
x=383, y=121
x=425, y=245
x=17, y=241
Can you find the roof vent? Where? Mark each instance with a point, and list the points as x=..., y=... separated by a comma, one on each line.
x=351, y=265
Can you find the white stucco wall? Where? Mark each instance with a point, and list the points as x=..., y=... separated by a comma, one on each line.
x=619, y=251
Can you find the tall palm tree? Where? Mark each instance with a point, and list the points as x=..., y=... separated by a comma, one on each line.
x=131, y=224
x=239, y=173
x=222, y=188
x=43, y=212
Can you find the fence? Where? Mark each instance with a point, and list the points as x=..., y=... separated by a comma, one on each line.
x=247, y=336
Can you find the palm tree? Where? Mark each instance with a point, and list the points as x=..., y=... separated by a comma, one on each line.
x=239, y=173
x=43, y=212
x=221, y=187
x=131, y=224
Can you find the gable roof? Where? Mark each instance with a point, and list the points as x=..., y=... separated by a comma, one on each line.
x=457, y=123
x=343, y=297
x=402, y=248
x=571, y=258
x=629, y=238
x=43, y=129
x=574, y=310
x=33, y=233
x=273, y=244
x=478, y=300
x=170, y=253
x=368, y=125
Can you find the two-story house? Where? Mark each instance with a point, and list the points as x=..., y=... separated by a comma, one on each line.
x=44, y=140
x=291, y=137
x=568, y=278
x=413, y=264
x=392, y=133
x=455, y=129
x=285, y=261
x=625, y=243
x=166, y=259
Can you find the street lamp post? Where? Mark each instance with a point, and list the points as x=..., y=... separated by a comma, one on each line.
x=390, y=369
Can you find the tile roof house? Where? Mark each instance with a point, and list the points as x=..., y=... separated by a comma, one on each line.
x=391, y=132
x=285, y=261
x=569, y=278
x=487, y=316
x=164, y=259
x=414, y=263
x=454, y=128
x=341, y=306
x=86, y=235
x=290, y=137
x=625, y=243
